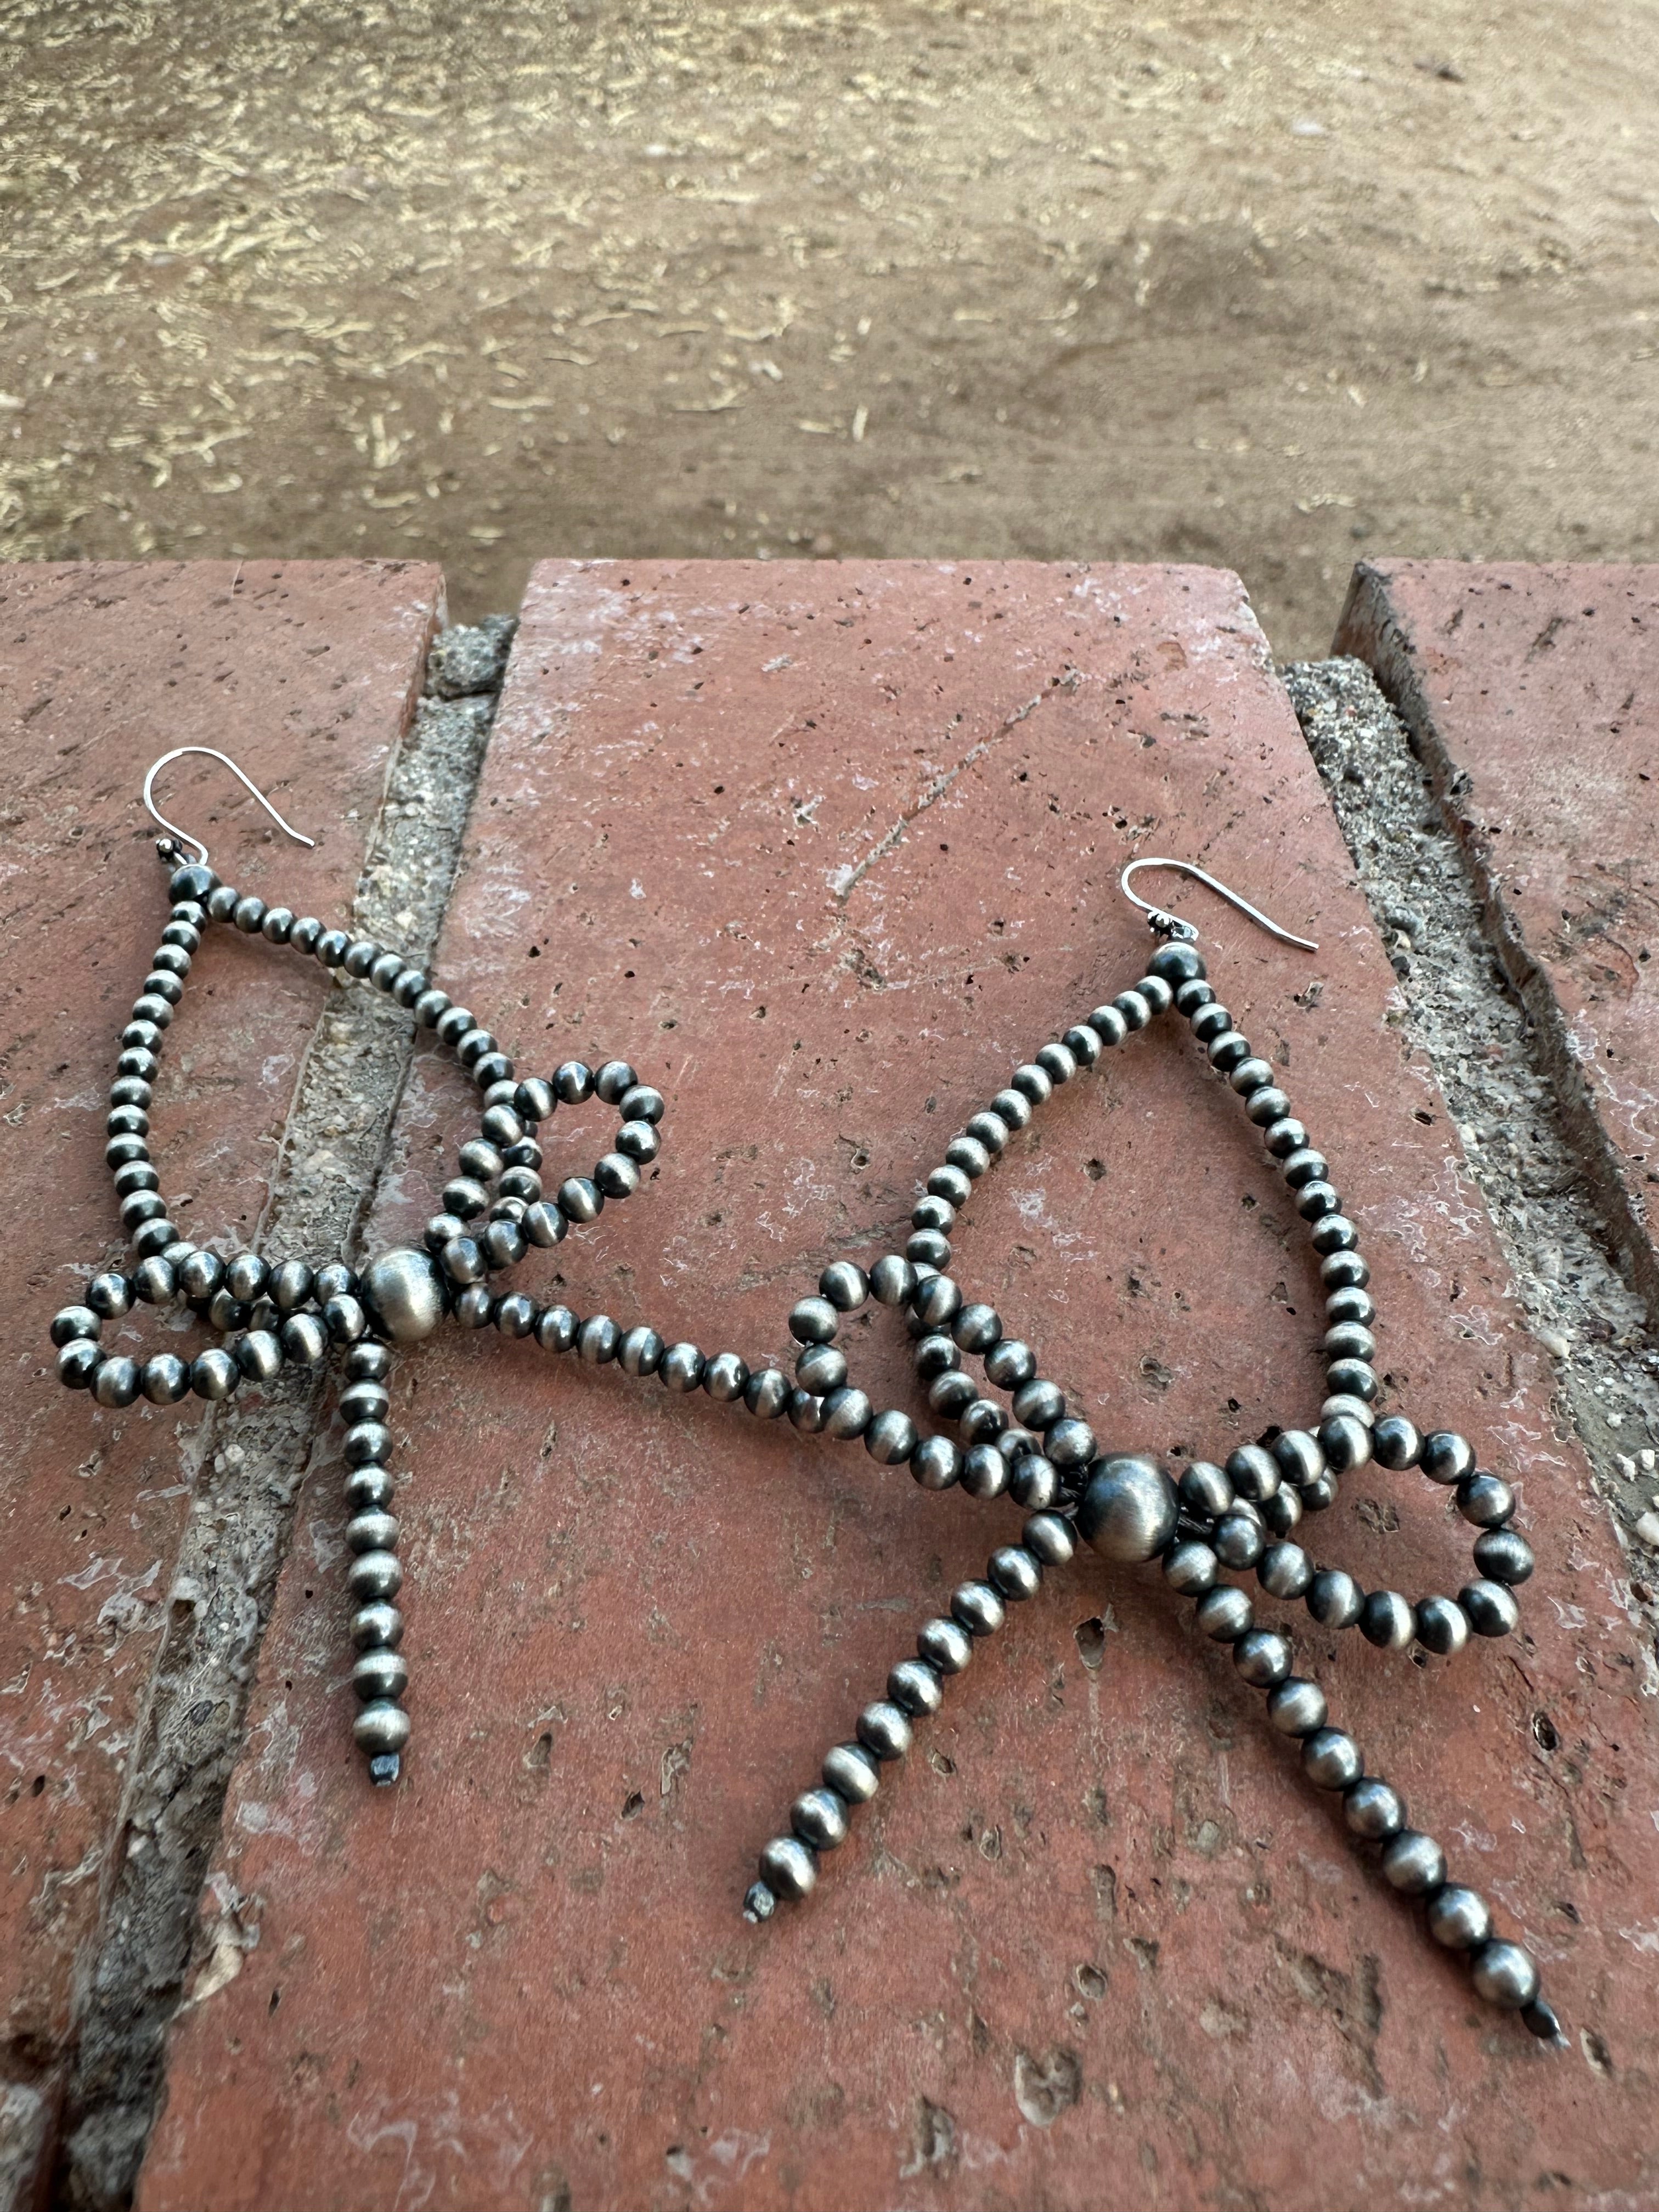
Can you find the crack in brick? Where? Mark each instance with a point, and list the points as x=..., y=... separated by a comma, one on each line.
x=942, y=783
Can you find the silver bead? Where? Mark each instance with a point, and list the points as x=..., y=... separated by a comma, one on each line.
x=891, y=1438
x=544, y=1225
x=1492, y=1609
x=1443, y=1627
x=767, y=1394
x=1238, y=1541
x=893, y=1280
x=936, y=1300
x=818, y=1817
x=1224, y=1614
x=1032, y=1082
x=304, y=1340
x=164, y=1379
x=1128, y=1509
x=725, y=1377
x=805, y=1413
x=1253, y=1471
x=1446, y=1457
x=846, y=1414
x=989, y=1130
x=1039, y=1403
x=615, y=1176
x=976, y=1328
x=377, y=1627
x=944, y=1644
x=1285, y=1570
x=1052, y=1538
x=1484, y=1500
x=1395, y=1443
x=820, y=1368
x=978, y=1609
x=375, y=1575
x=789, y=1868
x=1262, y=1658
x=516, y=1315
x=556, y=1329
x=74, y=1321
x=78, y=1362
x=1009, y=1363
x=884, y=1730
x=1371, y=1808
x=936, y=1463
x=213, y=1375
x=1300, y=1459
x=915, y=1688
x=259, y=1357
x=372, y=1484
x=115, y=1382
x=1504, y=1555
x=1505, y=1975
x=681, y=1368
x=850, y=1771
x=1013, y=1106
x=1458, y=1917
x=372, y=1531
x=844, y=1286
x=402, y=1292
x=1015, y=1573
x=1331, y=1760
x=1414, y=1863
x=1072, y=1443
x=381, y=1729
x=984, y=1471
x=379, y=1674
x=1387, y=1620
x=1191, y=1568
x=1205, y=1490
x=1298, y=1707
x=1345, y=1442
x=814, y=1320
x=580, y=1199
x=1334, y=1598
x=110, y=1296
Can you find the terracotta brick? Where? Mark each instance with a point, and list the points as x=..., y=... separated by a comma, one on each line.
x=1532, y=693
x=824, y=850
x=304, y=673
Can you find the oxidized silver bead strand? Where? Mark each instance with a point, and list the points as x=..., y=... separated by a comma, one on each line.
x=1240, y=1516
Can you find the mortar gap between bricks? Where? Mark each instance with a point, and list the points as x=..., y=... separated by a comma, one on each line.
x=250, y=1464
x=1492, y=1064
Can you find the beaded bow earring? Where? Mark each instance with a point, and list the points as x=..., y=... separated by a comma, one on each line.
x=1239, y=1516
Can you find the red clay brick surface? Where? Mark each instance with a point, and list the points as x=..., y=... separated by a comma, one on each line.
x=102, y=668
x=1533, y=694
x=824, y=850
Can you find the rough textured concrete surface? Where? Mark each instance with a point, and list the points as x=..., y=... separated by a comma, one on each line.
x=102, y=669
x=824, y=852
x=1533, y=695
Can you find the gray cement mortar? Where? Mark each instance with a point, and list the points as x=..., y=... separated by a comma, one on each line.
x=253, y=1460
x=1455, y=1002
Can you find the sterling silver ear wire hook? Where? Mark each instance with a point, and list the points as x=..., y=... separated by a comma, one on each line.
x=1168, y=925
x=183, y=836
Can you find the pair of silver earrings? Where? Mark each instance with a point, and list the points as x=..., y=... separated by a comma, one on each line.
x=1007, y=1430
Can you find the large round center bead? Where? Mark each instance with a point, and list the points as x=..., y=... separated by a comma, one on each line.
x=402, y=1294
x=1128, y=1509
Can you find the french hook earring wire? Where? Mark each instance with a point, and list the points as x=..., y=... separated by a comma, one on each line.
x=1170, y=925
x=183, y=836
